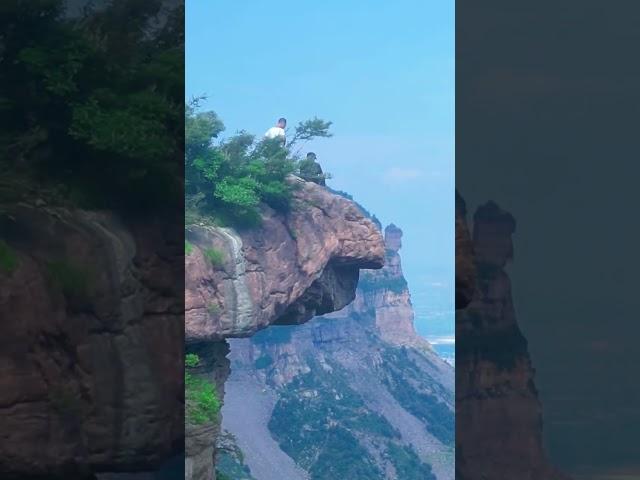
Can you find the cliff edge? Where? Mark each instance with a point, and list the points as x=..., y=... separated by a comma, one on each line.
x=293, y=267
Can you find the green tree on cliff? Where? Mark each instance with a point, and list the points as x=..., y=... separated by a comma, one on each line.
x=308, y=130
x=230, y=178
x=201, y=396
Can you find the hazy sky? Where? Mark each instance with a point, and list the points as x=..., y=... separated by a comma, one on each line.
x=383, y=72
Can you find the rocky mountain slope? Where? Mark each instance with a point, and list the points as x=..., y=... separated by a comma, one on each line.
x=293, y=267
x=354, y=394
x=497, y=408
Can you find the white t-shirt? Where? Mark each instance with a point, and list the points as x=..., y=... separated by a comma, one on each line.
x=275, y=132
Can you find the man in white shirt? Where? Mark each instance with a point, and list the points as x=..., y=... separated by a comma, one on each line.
x=278, y=131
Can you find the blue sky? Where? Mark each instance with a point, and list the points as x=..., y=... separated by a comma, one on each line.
x=383, y=72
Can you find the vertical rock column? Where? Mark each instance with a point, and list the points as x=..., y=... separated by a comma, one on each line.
x=499, y=418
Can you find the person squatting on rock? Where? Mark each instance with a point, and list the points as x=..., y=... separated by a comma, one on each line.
x=311, y=170
x=278, y=131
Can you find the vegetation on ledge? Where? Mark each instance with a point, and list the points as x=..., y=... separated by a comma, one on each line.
x=376, y=283
x=229, y=179
x=201, y=397
x=8, y=258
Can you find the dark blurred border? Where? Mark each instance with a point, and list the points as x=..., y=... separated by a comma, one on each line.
x=547, y=101
x=91, y=239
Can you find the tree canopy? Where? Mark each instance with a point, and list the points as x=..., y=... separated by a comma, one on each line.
x=229, y=178
x=94, y=101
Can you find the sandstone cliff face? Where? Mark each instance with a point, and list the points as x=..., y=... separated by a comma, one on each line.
x=370, y=351
x=285, y=272
x=497, y=408
x=91, y=342
x=290, y=269
x=385, y=293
